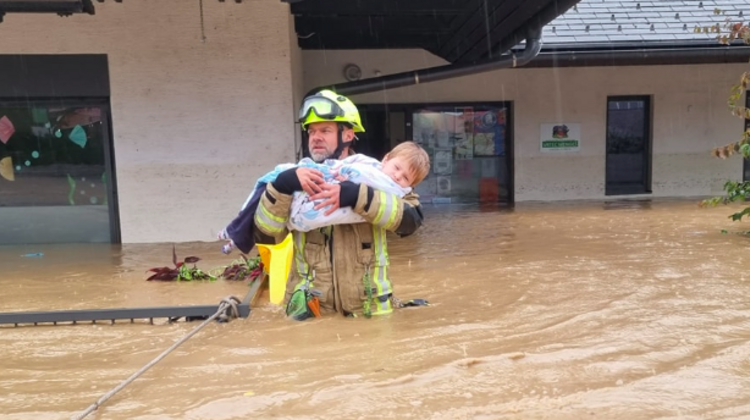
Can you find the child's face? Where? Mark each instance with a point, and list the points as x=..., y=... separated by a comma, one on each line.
x=399, y=170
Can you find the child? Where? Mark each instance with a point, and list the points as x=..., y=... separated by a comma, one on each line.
x=402, y=168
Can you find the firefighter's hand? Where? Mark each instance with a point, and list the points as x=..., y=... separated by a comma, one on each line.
x=310, y=180
x=330, y=196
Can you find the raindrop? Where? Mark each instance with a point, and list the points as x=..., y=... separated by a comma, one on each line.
x=35, y=154
x=83, y=179
x=27, y=163
x=93, y=200
x=83, y=192
x=93, y=185
x=18, y=167
x=58, y=133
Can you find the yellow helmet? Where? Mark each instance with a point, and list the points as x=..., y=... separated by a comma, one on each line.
x=327, y=105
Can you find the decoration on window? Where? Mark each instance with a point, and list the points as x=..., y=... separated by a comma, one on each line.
x=489, y=133
x=442, y=162
x=72, y=192
x=6, y=168
x=40, y=116
x=443, y=185
x=70, y=117
x=6, y=129
x=78, y=136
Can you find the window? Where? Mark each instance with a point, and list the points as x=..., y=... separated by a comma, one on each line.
x=469, y=152
x=470, y=147
x=56, y=174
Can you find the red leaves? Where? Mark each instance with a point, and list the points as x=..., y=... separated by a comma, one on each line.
x=170, y=274
x=242, y=269
x=163, y=273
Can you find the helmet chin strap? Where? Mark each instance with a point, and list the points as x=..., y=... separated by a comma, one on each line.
x=341, y=144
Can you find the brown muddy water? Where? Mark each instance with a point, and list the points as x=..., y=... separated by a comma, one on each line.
x=629, y=310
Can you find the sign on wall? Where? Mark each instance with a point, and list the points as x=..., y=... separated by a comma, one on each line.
x=560, y=137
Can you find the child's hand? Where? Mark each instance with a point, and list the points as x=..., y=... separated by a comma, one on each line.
x=341, y=178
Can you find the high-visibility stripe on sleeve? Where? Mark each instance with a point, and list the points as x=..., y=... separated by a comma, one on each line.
x=268, y=221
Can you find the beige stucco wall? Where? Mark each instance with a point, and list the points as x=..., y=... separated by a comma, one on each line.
x=195, y=122
x=689, y=108
x=298, y=91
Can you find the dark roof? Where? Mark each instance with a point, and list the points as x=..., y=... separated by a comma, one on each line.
x=456, y=30
x=655, y=22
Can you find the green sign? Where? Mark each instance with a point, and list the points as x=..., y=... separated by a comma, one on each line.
x=560, y=137
x=559, y=144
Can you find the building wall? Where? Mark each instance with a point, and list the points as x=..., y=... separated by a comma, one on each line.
x=689, y=116
x=298, y=91
x=195, y=121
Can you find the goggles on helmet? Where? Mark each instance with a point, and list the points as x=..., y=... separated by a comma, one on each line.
x=323, y=107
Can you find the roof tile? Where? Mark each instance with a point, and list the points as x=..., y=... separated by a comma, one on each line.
x=643, y=21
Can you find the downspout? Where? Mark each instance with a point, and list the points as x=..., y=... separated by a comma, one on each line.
x=415, y=77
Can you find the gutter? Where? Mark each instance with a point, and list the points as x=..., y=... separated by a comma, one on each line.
x=642, y=57
x=635, y=45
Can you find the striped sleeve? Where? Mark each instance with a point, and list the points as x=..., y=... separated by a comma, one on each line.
x=389, y=211
x=273, y=213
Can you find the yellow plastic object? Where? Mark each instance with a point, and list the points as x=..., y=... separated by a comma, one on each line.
x=277, y=261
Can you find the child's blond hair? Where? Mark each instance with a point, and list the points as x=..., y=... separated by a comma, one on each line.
x=416, y=157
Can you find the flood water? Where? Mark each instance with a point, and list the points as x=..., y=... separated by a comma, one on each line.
x=628, y=310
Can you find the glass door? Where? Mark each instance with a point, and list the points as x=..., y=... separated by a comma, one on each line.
x=628, y=165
